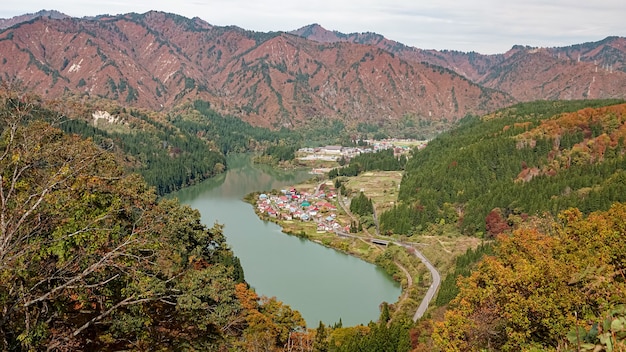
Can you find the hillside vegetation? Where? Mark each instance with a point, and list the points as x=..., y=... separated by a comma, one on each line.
x=146, y=143
x=91, y=260
x=492, y=172
x=557, y=289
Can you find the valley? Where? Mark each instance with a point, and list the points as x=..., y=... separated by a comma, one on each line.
x=505, y=171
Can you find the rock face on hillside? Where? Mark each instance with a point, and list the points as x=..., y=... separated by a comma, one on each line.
x=584, y=71
x=531, y=74
x=158, y=60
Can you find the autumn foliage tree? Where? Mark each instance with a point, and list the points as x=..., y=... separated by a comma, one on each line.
x=269, y=324
x=539, y=286
x=495, y=223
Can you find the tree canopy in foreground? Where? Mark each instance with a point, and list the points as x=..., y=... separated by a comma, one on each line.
x=90, y=259
x=559, y=288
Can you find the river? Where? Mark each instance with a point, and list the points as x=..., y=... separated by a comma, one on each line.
x=321, y=283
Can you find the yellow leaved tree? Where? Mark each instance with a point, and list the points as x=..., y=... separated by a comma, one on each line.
x=541, y=286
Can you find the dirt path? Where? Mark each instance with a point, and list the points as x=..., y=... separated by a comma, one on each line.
x=409, y=282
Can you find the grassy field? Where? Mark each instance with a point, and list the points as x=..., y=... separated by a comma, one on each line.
x=380, y=186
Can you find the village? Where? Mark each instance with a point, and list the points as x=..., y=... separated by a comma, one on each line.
x=294, y=205
x=335, y=153
x=319, y=204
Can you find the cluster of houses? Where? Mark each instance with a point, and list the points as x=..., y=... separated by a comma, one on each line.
x=336, y=152
x=400, y=146
x=303, y=206
x=327, y=153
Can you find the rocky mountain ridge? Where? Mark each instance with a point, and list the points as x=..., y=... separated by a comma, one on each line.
x=9, y=22
x=593, y=70
x=159, y=60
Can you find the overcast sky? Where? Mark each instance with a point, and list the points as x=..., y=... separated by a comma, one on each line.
x=484, y=26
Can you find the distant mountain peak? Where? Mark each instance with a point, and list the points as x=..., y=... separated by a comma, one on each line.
x=159, y=60
x=10, y=22
x=312, y=26
x=319, y=34
x=54, y=14
x=316, y=32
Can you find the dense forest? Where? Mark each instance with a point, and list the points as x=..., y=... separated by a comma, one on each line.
x=90, y=259
x=167, y=158
x=559, y=288
x=493, y=171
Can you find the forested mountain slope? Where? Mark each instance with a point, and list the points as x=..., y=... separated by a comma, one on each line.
x=145, y=141
x=491, y=172
x=91, y=260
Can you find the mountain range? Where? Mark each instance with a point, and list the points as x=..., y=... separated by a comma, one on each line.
x=160, y=60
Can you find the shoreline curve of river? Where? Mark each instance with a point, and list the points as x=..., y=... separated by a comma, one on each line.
x=322, y=283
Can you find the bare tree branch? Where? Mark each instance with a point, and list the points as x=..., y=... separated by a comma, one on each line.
x=93, y=267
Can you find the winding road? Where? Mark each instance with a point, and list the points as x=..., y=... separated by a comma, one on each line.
x=434, y=286
x=434, y=273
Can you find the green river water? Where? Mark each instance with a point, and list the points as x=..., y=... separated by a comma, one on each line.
x=323, y=284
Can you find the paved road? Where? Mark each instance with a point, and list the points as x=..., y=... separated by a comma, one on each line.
x=432, y=290
x=434, y=286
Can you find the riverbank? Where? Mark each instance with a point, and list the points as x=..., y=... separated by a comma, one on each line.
x=403, y=261
x=321, y=283
x=319, y=224
x=313, y=211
